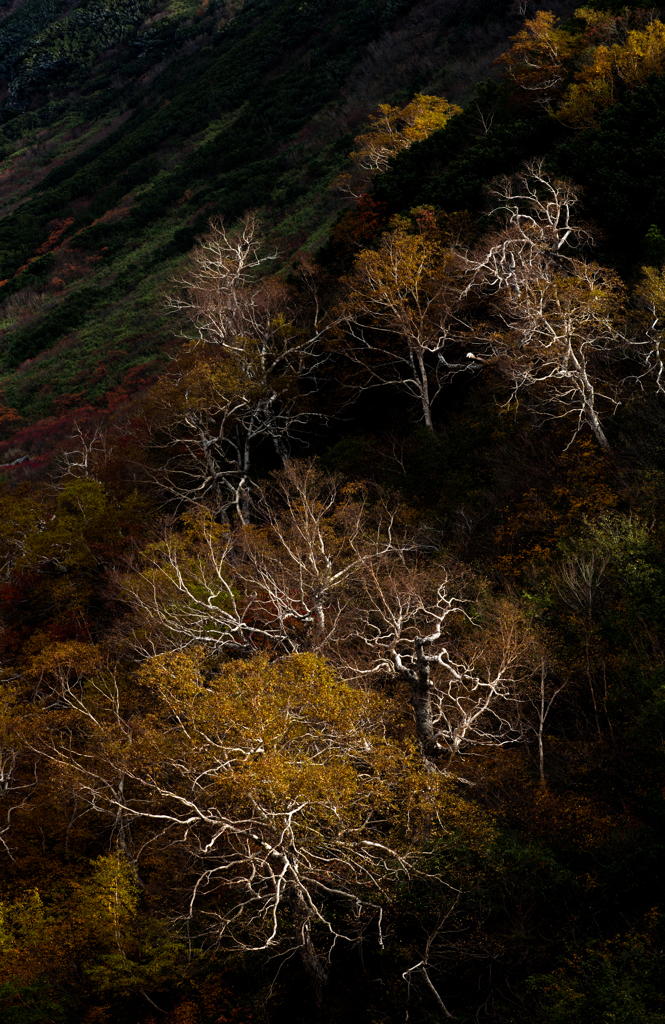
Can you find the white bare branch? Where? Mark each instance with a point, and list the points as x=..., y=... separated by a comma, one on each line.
x=558, y=315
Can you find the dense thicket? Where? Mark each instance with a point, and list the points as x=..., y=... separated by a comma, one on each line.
x=332, y=671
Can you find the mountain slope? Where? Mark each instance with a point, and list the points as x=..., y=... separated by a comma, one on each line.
x=127, y=127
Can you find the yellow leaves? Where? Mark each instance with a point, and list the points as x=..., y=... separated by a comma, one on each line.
x=278, y=733
x=393, y=129
x=403, y=286
x=424, y=115
x=20, y=920
x=291, y=733
x=584, y=100
x=651, y=290
x=399, y=264
x=199, y=522
x=543, y=57
x=198, y=382
x=537, y=61
x=284, y=703
x=50, y=932
x=595, y=20
x=642, y=55
x=66, y=659
x=113, y=890
x=175, y=676
x=632, y=62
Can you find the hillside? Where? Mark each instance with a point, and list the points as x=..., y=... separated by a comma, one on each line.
x=332, y=544
x=126, y=128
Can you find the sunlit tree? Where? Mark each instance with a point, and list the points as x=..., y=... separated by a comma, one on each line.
x=404, y=317
x=390, y=130
x=296, y=813
x=558, y=316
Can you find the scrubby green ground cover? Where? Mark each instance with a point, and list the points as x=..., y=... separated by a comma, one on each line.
x=192, y=111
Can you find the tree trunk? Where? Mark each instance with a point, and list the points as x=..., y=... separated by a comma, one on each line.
x=591, y=687
x=281, y=449
x=424, y=393
x=314, y=968
x=541, y=725
x=421, y=699
x=444, y=1010
x=598, y=432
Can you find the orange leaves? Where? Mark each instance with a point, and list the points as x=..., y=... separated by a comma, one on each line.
x=60, y=226
x=9, y=418
x=354, y=229
x=217, y=1002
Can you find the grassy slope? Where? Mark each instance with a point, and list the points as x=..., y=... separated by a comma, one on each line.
x=120, y=147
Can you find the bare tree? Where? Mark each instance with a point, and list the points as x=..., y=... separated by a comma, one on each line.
x=563, y=337
x=423, y=967
x=206, y=417
x=539, y=229
x=280, y=585
x=558, y=314
x=90, y=448
x=542, y=701
x=246, y=376
x=414, y=626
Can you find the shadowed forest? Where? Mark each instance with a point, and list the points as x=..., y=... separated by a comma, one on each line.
x=332, y=512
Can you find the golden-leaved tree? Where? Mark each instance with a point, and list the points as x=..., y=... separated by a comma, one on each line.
x=403, y=315
x=390, y=130
x=605, y=68
x=336, y=571
x=538, y=62
x=284, y=812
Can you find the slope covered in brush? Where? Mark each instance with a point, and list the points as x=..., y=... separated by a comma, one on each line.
x=126, y=127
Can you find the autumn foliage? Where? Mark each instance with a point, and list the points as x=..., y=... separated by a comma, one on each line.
x=331, y=650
